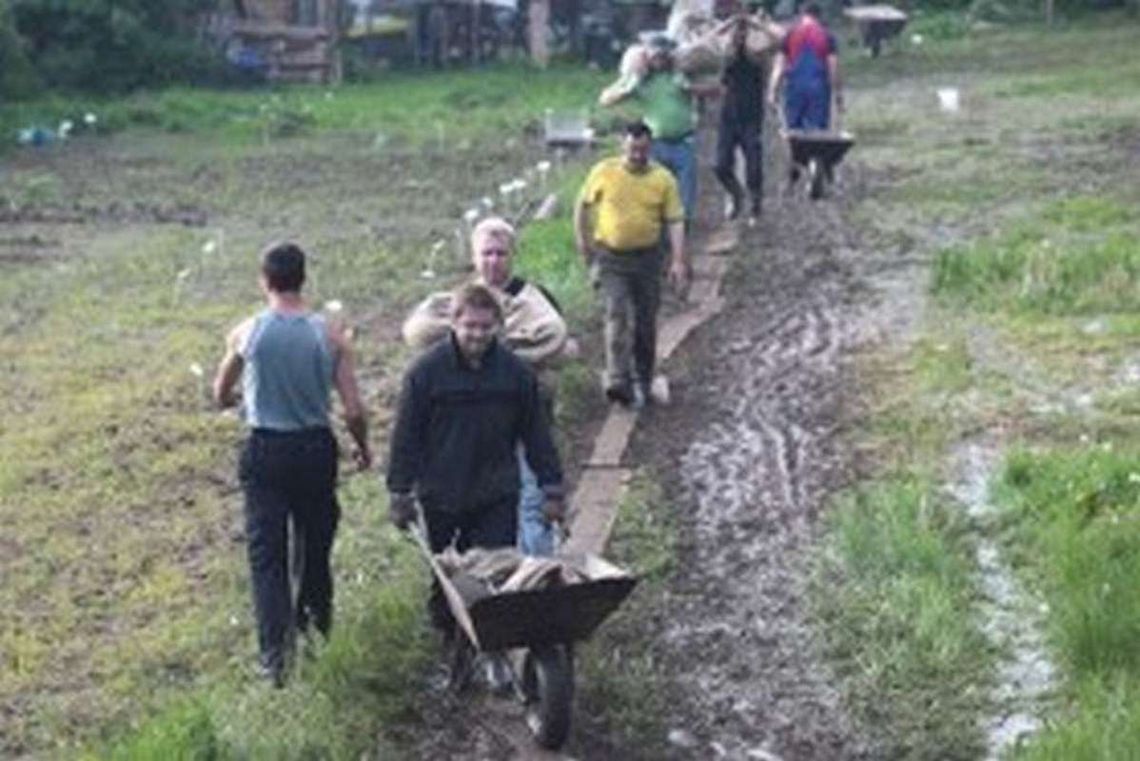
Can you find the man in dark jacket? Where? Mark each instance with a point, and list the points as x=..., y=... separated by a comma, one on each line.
x=741, y=114
x=466, y=405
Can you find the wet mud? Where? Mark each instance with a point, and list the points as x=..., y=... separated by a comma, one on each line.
x=752, y=441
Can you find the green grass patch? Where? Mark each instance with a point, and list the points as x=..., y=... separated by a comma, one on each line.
x=1081, y=256
x=494, y=101
x=892, y=587
x=1074, y=517
x=622, y=681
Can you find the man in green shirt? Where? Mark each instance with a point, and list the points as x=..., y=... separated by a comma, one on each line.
x=666, y=98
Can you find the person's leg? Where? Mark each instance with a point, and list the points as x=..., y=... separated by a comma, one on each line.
x=494, y=525
x=443, y=530
x=725, y=168
x=753, y=164
x=685, y=160
x=315, y=516
x=535, y=535
x=266, y=514
x=614, y=283
x=646, y=300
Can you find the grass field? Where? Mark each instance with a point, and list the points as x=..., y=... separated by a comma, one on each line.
x=126, y=257
x=1022, y=202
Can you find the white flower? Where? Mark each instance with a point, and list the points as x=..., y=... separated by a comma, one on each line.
x=438, y=246
x=90, y=118
x=543, y=166
x=428, y=274
x=334, y=306
x=488, y=204
x=470, y=216
x=65, y=127
x=506, y=188
x=520, y=184
x=196, y=370
x=209, y=247
x=916, y=39
x=183, y=274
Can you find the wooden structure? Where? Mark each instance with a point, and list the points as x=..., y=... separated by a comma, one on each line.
x=289, y=40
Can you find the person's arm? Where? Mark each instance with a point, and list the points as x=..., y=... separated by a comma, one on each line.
x=344, y=377
x=674, y=217
x=835, y=80
x=623, y=88
x=678, y=263
x=778, y=64
x=582, y=227
x=229, y=371
x=406, y=450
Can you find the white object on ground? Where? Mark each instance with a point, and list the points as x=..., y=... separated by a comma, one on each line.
x=948, y=99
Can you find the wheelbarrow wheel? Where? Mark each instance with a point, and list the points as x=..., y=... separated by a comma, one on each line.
x=548, y=688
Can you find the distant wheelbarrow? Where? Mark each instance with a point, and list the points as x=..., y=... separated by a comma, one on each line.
x=538, y=627
x=876, y=23
x=815, y=153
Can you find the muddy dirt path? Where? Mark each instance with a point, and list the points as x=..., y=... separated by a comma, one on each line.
x=752, y=443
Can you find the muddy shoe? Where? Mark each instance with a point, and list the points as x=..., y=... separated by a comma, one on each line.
x=622, y=395
x=497, y=674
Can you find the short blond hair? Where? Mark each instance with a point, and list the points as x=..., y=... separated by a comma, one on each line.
x=493, y=227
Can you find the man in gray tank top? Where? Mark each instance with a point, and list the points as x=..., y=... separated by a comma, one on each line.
x=287, y=359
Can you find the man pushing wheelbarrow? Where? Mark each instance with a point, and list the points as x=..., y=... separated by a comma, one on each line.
x=808, y=66
x=466, y=405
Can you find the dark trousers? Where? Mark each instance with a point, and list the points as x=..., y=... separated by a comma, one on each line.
x=493, y=525
x=630, y=283
x=289, y=478
x=744, y=134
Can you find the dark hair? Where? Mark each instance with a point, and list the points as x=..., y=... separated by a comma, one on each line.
x=811, y=8
x=283, y=266
x=637, y=129
x=475, y=296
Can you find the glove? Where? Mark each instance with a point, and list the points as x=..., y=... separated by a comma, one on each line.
x=402, y=510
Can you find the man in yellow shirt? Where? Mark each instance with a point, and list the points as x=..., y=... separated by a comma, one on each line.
x=625, y=206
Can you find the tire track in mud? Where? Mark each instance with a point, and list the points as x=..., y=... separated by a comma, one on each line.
x=752, y=445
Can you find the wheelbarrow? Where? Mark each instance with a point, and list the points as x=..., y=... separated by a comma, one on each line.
x=537, y=629
x=876, y=23
x=815, y=154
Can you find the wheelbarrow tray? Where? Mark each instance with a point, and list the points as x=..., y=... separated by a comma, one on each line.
x=825, y=146
x=533, y=617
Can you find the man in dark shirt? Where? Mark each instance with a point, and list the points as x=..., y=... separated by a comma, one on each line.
x=466, y=405
x=741, y=118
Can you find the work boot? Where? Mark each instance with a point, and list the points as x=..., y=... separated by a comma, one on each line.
x=271, y=668
x=497, y=672
x=733, y=205
x=621, y=394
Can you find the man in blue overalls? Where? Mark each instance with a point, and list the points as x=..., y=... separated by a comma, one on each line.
x=809, y=58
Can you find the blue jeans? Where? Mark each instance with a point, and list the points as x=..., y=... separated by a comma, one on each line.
x=680, y=158
x=535, y=534
x=807, y=105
